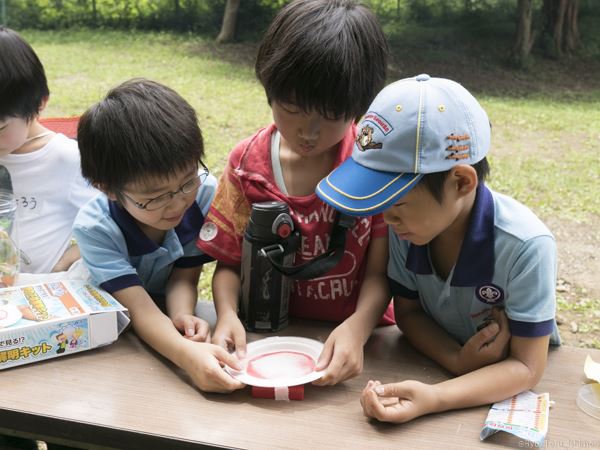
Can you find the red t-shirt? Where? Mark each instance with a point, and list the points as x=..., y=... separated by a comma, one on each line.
x=248, y=178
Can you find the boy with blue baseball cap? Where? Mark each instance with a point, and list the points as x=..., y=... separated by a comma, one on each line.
x=472, y=271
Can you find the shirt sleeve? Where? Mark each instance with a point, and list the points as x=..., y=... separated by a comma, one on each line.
x=102, y=249
x=223, y=230
x=531, y=297
x=402, y=281
x=378, y=226
x=80, y=190
x=206, y=194
x=193, y=256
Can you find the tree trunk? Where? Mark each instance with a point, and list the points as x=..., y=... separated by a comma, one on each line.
x=560, y=26
x=571, y=27
x=94, y=13
x=525, y=35
x=229, y=18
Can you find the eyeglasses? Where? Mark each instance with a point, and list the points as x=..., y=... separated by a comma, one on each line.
x=163, y=200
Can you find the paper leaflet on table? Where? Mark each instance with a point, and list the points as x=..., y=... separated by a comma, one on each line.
x=525, y=415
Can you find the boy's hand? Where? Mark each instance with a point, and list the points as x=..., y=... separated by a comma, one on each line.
x=230, y=334
x=203, y=362
x=342, y=355
x=397, y=402
x=487, y=346
x=192, y=327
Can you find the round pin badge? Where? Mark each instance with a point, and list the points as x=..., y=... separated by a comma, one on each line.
x=208, y=231
x=490, y=294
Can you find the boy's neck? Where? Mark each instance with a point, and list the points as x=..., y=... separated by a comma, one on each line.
x=302, y=174
x=445, y=248
x=37, y=137
x=154, y=234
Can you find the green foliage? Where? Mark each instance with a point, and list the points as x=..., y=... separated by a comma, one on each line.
x=193, y=15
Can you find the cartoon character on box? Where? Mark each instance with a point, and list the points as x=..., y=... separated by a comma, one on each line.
x=74, y=340
x=62, y=340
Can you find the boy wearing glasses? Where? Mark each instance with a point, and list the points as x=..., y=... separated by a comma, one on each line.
x=141, y=146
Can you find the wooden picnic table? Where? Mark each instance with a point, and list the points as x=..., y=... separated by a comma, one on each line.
x=126, y=396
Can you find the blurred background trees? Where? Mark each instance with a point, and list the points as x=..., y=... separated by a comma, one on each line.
x=548, y=27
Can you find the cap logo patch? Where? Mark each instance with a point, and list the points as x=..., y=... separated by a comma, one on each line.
x=364, y=139
x=457, y=150
x=489, y=294
x=384, y=126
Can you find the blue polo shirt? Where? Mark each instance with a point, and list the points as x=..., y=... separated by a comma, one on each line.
x=507, y=259
x=119, y=255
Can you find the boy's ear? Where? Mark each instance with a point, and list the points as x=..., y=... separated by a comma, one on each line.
x=102, y=188
x=464, y=178
x=43, y=104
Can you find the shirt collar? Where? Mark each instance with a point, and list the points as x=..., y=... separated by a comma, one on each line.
x=475, y=263
x=138, y=243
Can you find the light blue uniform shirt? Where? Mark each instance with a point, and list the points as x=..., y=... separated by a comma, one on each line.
x=507, y=259
x=119, y=255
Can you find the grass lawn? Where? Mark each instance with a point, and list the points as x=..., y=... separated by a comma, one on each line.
x=546, y=124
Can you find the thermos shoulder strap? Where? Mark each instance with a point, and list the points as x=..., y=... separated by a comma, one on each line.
x=320, y=265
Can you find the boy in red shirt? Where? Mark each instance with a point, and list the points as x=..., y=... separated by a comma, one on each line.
x=321, y=62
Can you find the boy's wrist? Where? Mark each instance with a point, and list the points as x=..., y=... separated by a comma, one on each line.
x=184, y=356
x=358, y=324
x=437, y=398
x=226, y=312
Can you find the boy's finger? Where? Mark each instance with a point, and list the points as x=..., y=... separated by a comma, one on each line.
x=220, y=340
x=189, y=327
x=380, y=412
x=227, y=358
x=239, y=340
x=325, y=357
x=333, y=374
x=224, y=383
x=203, y=330
x=390, y=390
x=368, y=401
x=484, y=336
x=502, y=320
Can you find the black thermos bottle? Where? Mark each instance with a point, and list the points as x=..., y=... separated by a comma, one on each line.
x=265, y=292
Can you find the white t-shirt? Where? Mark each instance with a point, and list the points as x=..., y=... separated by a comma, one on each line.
x=49, y=190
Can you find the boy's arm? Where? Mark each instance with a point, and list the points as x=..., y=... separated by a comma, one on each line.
x=229, y=332
x=70, y=255
x=182, y=295
x=433, y=341
x=522, y=370
x=343, y=352
x=200, y=360
x=404, y=401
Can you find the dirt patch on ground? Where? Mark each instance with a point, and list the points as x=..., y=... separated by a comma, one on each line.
x=578, y=288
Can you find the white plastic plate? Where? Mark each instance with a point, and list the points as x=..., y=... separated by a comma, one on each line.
x=280, y=361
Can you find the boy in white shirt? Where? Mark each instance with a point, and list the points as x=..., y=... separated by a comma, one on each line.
x=41, y=168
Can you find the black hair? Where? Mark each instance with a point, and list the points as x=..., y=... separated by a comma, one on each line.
x=434, y=182
x=329, y=56
x=23, y=84
x=140, y=129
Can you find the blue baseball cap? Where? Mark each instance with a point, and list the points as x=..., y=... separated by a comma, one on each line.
x=414, y=126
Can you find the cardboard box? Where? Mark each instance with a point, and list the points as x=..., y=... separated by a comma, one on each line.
x=51, y=319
